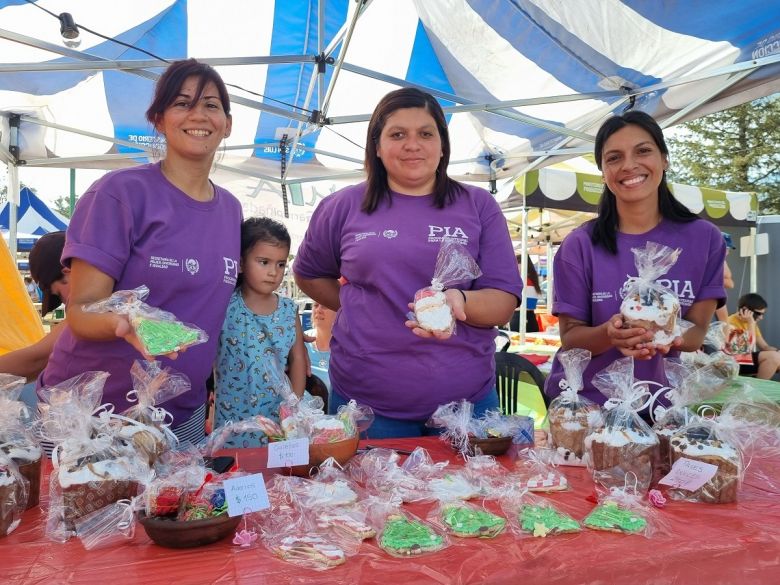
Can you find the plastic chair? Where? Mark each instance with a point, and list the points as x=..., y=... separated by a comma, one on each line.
x=316, y=387
x=515, y=381
x=503, y=341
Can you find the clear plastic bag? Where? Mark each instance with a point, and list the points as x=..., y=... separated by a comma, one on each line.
x=108, y=526
x=463, y=430
x=379, y=471
x=92, y=466
x=714, y=442
x=16, y=440
x=533, y=516
x=534, y=474
x=571, y=417
x=647, y=304
x=405, y=535
x=454, y=265
x=625, y=444
x=159, y=331
x=466, y=520
x=623, y=509
x=14, y=490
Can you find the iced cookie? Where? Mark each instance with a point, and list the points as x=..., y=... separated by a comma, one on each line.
x=467, y=522
x=432, y=312
x=161, y=337
x=403, y=537
x=614, y=518
x=544, y=520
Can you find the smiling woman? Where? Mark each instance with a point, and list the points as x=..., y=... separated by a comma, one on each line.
x=162, y=225
x=384, y=236
x=593, y=261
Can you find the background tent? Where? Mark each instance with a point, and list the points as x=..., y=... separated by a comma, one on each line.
x=563, y=189
x=24, y=241
x=523, y=81
x=33, y=216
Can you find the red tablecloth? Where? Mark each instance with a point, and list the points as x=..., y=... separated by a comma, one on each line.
x=709, y=544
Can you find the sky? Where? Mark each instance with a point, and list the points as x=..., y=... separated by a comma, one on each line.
x=50, y=183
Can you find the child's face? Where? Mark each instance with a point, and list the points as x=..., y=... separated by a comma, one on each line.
x=263, y=267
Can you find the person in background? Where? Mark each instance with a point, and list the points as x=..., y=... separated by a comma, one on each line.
x=384, y=236
x=32, y=290
x=54, y=281
x=532, y=291
x=722, y=313
x=261, y=332
x=164, y=225
x=595, y=259
x=319, y=348
x=753, y=354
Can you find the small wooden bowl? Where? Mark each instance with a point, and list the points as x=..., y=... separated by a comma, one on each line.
x=341, y=451
x=490, y=445
x=173, y=533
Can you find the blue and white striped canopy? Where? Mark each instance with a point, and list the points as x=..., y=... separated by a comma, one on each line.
x=524, y=82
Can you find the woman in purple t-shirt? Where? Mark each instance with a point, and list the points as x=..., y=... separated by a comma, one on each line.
x=595, y=260
x=166, y=226
x=383, y=237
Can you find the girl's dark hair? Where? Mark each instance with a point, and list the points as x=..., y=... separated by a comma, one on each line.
x=604, y=228
x=262, y=229
x=445, y=190
x=169, y=86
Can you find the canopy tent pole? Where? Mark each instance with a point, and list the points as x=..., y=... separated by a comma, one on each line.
x=524, y=273
x=13, y=184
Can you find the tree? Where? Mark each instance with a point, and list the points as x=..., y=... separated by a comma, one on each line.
x=736, y=150
x=62, y=206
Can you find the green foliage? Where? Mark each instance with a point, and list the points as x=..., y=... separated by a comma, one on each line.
x=62, y=206
x=737, y=150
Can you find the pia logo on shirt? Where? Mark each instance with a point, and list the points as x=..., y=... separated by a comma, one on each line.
x=192, y=266
x=437, y=233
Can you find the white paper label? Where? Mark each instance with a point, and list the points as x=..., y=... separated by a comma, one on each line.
x=688, y=474
x=288, y=453
x=246, y=494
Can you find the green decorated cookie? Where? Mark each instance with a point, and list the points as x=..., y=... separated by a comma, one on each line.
x=613, y=517
x=544, y=520
x=161, y=337
x=405, y=537
x=465, y=521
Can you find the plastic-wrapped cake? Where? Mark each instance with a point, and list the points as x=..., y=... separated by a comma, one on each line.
x=700, y=442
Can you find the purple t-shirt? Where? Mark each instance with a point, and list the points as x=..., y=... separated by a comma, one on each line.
x=138, y=228
x=587, y=283
x=386, y=257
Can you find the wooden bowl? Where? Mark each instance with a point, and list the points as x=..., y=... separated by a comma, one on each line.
x=341, y=451
x=173, y=533
x=490, y=446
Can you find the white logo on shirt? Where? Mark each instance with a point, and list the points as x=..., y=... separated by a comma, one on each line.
x=163, y=262
x=192, y=266
x=390, y=234
x=231, y=271
x=363, y=235
x=438, y=233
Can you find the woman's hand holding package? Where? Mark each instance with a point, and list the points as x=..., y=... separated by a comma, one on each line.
x=456, y=302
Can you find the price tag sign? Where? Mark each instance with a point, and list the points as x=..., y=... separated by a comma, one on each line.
x=246, y=494
x=288, y=453
x=688, y=474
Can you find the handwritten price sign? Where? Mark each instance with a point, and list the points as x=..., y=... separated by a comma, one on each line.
x=288, y=453
x=688, y=474
x=246, y=494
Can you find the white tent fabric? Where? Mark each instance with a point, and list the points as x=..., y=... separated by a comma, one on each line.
x=524, y=82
